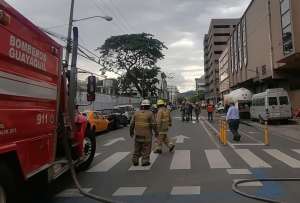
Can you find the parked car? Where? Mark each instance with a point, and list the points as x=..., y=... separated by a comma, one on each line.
x=128, y=110
x=98, y=122
x=123, y=120
x=116, y=118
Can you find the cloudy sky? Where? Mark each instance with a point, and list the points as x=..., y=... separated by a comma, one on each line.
x=180, y=24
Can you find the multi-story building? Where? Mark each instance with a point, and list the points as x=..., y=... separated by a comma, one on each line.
x=214, y=44
x=264, y=48
x=200, y=84
x=224, y=64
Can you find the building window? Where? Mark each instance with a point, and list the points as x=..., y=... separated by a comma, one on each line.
x=220, y=43
x=218, y=52
x=235, y=44
x=245, y=54
x=221, y=34
x=287, y=37
x=232, y=55
x=239, y=40
x=221, y=26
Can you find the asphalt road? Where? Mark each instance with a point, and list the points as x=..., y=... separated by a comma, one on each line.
x=201, y=170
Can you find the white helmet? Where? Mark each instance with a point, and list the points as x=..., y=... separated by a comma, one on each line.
x=145, y=102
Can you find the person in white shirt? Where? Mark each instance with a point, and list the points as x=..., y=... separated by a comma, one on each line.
x=233, y=119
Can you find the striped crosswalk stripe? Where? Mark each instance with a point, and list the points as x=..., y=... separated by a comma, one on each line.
x=72, y=192
x=130, y=191
x=109, y=162
x=216, y=159
x=251, y=159
x=181, y=160
x=185, y=190
x=153, y=157
x=290, y=161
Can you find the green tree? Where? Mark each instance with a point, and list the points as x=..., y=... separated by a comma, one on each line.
x=199, y=96
x=134, y=58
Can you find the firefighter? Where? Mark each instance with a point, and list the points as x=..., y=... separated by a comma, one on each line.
x=142, y=127
x=164, y=121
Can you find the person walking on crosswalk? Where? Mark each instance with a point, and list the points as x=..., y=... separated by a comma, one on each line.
x=233, y=119
x=142, y=127
x=164, y=121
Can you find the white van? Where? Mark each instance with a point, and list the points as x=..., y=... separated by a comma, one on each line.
x=128, y=110
x=273, y=104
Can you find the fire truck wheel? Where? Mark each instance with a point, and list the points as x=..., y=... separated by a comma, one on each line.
x=8, y=188
x=89, y=149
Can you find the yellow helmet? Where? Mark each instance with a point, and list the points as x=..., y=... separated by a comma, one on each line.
x=160, y=102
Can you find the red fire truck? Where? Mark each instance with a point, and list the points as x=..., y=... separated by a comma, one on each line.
x=35, y=115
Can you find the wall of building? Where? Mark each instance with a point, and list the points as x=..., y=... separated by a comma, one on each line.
x=295, y=4
x=257, y=71
x=104, y=101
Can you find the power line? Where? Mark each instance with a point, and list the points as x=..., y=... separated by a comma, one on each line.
x=122, y=16
x=106, y=5
x=102, y=10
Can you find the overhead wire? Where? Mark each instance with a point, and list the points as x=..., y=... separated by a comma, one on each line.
x=102, y=10
x=116, y=12
x=122, y=16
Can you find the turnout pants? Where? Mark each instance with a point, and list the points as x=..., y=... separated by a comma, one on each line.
x=163, y=139
x=141, y=149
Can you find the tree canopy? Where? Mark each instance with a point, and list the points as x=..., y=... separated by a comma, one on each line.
x=134, y=58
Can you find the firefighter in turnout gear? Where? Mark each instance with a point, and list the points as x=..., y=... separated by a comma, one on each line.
x=142, y=127
x=164, y=121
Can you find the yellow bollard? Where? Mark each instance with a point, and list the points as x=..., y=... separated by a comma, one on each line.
x=225, y=133
x=266, y=133
x=220, y=133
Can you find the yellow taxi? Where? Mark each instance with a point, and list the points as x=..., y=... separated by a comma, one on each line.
x=98, y=122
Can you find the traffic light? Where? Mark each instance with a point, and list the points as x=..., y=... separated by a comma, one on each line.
x=91, y=88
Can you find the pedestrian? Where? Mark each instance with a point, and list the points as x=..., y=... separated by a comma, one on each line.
x=210, y=111
x=233, y=119
x=191, y=111
x=142, y=127
x=197, y=110
x=187, y=111
x=182, y=109
x=164, y=121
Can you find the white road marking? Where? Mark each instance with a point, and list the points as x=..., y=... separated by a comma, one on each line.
x=72, y=193
x=250, y=184
x=113, y=141
x=297, y=150
x=239, y=171
x=251, y=138
x=186, y=190
x=97, y=154
x=181, y=138
x=181, y=160
x=130, y=191
x=153, y=157
x=248, y=144
x=216, y=159
x=209, y=134
x=109, y=162
x=294, y=163
x=251, y=159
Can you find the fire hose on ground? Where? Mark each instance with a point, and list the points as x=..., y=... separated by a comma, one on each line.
x=263, y=199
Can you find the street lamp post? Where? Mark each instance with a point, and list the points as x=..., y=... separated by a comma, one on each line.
x=69, y=38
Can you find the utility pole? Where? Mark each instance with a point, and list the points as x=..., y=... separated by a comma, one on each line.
x=69, y=38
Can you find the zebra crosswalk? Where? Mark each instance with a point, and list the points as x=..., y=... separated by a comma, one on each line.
x=215, y=159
